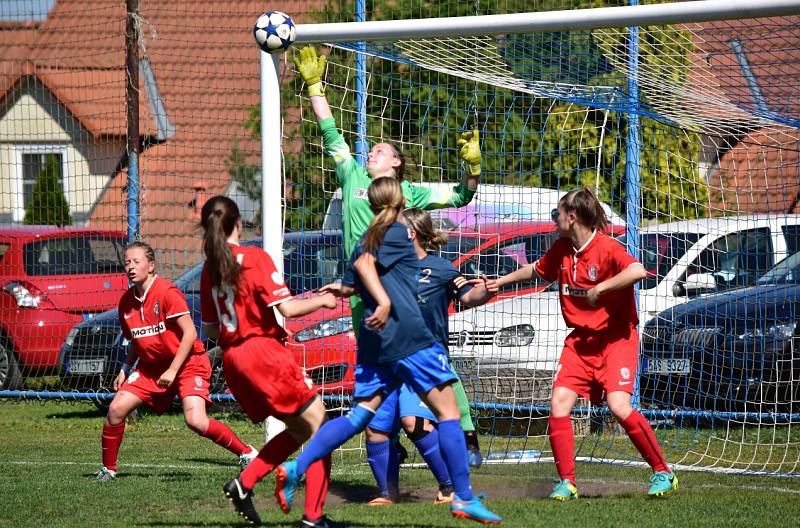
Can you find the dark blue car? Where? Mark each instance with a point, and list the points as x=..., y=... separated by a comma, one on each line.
x=95, y=349
x=734, y=351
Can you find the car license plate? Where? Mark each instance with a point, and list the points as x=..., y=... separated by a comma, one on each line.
x=667, y=366
x=463, y=363
x=87, y=366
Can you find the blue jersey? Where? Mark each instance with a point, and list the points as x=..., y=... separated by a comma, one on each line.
x=398, y=266
x=439, y=282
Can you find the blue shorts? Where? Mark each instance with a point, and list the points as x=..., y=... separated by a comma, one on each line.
x=421, y=371
x=401, y=402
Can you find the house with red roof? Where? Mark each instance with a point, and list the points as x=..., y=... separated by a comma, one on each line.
x=62, y=93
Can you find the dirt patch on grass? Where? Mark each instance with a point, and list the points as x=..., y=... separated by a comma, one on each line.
x=496, y=486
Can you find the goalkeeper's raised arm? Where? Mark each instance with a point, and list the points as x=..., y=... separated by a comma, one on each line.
x=383, y=160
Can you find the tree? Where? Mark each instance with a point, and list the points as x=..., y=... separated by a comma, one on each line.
x=560, y=141
x=48, y=205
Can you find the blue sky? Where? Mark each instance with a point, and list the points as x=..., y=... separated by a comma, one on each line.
x=25, y=9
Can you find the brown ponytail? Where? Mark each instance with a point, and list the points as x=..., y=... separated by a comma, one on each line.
x=386, y=200
x=218, y=218
x=587, y=208
x=422, y=224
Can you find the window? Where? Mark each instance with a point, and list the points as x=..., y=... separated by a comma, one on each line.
x=736, y=260
x=508, y=256
x=31, y=159
x=74, y=256
x=792, y=235
x=660, y=252
x=32, y=165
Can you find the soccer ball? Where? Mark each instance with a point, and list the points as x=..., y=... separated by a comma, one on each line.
x=274, y=32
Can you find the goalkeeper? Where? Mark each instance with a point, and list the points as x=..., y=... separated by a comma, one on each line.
x=384, y=160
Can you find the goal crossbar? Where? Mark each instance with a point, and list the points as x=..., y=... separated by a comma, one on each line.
x=603, y=17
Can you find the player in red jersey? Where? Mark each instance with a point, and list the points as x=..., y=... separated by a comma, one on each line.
x=596, y=277
x=240, y=289
x=171, y=360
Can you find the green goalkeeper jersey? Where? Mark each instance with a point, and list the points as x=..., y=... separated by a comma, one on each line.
x=354, y=180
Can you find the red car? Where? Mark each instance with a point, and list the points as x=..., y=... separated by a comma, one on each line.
x=493, y=250
x=52, y=278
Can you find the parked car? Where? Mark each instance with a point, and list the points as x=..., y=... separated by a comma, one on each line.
x=93, y=352
x=522, y=336
x=50, y=279
x=734, y=351
x=492, y=204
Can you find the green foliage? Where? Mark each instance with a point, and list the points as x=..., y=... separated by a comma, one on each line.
x=48, y=205
x=525, y=139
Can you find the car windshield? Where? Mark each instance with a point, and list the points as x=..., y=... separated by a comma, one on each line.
x=308, y=264
x=82, y=254
x=786, y=271
x=458, y=245
x=660, y=252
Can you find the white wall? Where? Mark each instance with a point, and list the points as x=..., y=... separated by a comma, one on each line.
x=88, y=162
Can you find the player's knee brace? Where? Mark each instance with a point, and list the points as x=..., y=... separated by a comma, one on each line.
x=360, y=416
x=419, y=432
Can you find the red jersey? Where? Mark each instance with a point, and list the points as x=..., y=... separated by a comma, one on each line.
x=578, y=271
x=249, y=312
x=150, y=322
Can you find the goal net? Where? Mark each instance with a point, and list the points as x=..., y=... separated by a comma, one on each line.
x=687, y=132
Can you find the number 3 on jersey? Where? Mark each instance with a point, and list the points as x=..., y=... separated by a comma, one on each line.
x=223, y=302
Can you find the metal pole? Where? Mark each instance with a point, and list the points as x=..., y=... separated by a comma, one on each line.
x=632, y=166
x=572, y=20
x=271, y=176
x=132, y=113
x=361, y=90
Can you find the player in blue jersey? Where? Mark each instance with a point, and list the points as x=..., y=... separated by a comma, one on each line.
x=439, y=283
x=394, y=346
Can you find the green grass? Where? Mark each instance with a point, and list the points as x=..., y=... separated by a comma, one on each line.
x=171, y=477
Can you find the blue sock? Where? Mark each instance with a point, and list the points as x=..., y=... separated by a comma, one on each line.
x=332, y=434
x=378, y=458
x=393, y=471
x=428, y=447
x=454, y=453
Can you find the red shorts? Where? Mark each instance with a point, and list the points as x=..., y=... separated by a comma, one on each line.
x=595, y=364
x=192, y=380
x=265, y=379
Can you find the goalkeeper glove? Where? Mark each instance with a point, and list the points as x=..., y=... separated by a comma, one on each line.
x=471, y=151
x=311, y=68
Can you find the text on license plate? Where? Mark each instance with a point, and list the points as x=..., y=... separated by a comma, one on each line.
x=667, y=366
x=87, y=366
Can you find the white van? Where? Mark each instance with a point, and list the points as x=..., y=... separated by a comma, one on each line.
x=492, y=203
x=685, y=259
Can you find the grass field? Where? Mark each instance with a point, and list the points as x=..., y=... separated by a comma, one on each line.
x=171, y=477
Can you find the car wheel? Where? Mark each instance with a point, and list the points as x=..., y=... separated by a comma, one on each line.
x=10, y=375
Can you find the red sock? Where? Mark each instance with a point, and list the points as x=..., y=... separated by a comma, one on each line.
x=221, y=434
x=110, y=440
x=275, y=452
x=562, y=441
x=643, y=437
x=317, y=478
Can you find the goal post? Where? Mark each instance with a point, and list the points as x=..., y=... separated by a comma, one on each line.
x=576, y=19
x=558, y=97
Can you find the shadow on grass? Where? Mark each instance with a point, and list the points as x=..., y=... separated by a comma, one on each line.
x=215, y=462
x=171, y=476
x=89, y=412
